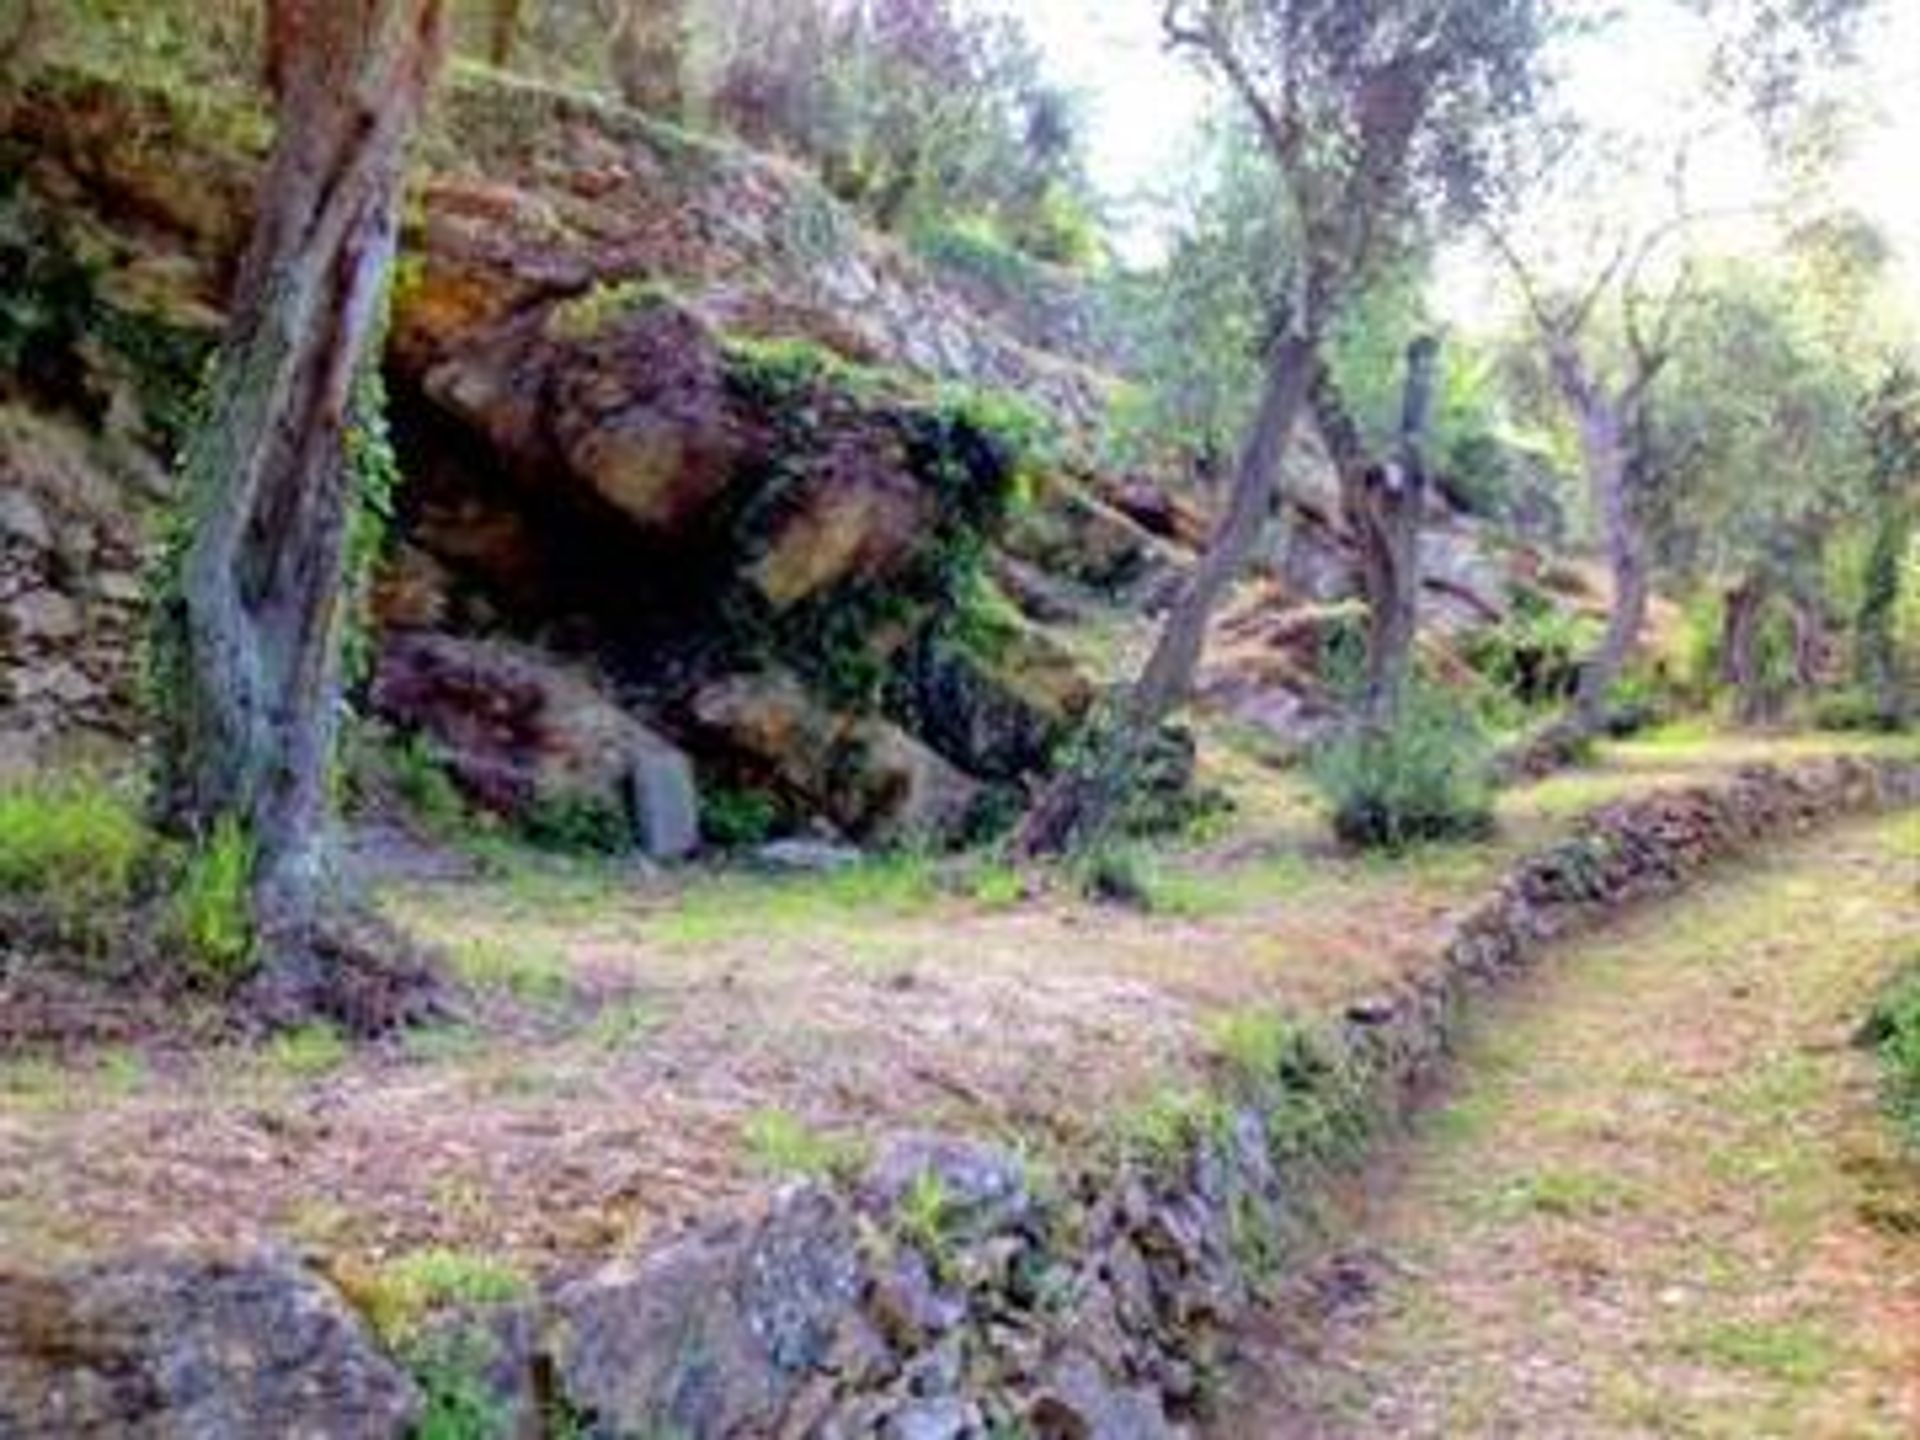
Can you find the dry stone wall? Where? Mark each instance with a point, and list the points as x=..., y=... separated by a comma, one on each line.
x=952, y=1291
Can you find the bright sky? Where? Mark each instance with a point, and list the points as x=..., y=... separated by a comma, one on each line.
x=1144, y=105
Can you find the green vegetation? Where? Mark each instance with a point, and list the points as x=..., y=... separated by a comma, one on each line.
x=211, y=913
x=71, y=848
x=1894, y=1032
x=1794, y=1351
x=924, y=1219
x=736, y=818
x=900, y=885
x=306, y=1052
x=782, y=1145
x=577, y=824
x=1426, y=779
x=530, y=973
x=400, y=1296
x=1532, y=658
x=426, y=786
x=970, y=451
x=1163, y=1131
x=599, y=308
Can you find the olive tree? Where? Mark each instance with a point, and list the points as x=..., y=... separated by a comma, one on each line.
x=251, y=636
x=1892, y=423
x=1764, y=458
x=1369, y=116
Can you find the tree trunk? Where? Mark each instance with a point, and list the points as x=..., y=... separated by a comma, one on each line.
x=648, y=49
x=1384, y=505
x=20, y=35
x=1809, y=641
x=503, y=32
x=1740, y=669
x=252, y=643
x=1078, y=804
x=1604, y=453
x=1877, y=657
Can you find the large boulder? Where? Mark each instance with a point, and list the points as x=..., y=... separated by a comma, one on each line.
x=1067, y=530
x=871, y=778
x=192, y=1349
x=527, y=738
x=1000, y=706
x=714, y=1335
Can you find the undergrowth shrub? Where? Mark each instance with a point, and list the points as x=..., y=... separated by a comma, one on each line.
x=734, y=818
x=425, y=784
x=1427, y=778
x=577, y=825
x=1894, y=1031
x=1533, y=657
x=71, y=849
x=1854, y=709
x=211, y=908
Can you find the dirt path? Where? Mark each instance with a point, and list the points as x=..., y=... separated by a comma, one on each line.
x=1661, y=1201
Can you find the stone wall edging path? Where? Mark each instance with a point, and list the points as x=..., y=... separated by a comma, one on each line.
x=952, y=1291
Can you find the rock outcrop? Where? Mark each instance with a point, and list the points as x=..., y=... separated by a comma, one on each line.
x=71, y=588
x=536, y=743
x=664, y=410
x=168, y=1347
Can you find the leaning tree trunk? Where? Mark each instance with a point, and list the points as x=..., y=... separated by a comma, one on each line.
x=1079, y=803
x=252, y=637
x=1384, y=505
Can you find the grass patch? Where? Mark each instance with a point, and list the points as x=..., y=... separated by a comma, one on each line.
x=781, y=1145
x=623, y=1024
x=398, y=1297
x=71, y=847
x=1795, y=1352
x=306, y=1053
x=1560, y=1195
x=211, y=910
x=535, y=974
x=1894, y=1032
x=997, y=887
x=1162, y=1131
x=925, y=1218
x=732, y=907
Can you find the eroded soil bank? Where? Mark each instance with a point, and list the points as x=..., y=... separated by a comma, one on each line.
x=1660, y=1200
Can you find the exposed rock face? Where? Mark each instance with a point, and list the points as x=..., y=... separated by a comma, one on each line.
x=1070, y=531
x=714, y=1335
x=999, y=714
x=594, y=452
x=523, y=735
x=71, y=587
x=172, y=1348
x=871, y=778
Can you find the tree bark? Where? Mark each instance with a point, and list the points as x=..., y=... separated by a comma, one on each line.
x=1877, y=655
x=1604, y=425
x=1079, y=803
x=1809, y=640
x=503, y=32
x=253, y=633
x=648, y=53
x=1384, y=504
x=1745, y=607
